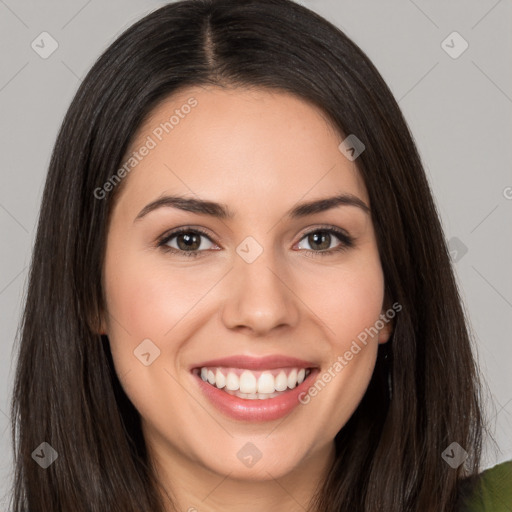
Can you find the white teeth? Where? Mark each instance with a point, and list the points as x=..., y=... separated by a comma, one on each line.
x=220, y=380
x=266, y=383
x=232, y=382
x=281, y=382
x=254, y=396
x=292, y=379
x=253, y=386
x=248, y=382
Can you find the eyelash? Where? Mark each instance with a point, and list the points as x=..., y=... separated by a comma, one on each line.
x=347, y=241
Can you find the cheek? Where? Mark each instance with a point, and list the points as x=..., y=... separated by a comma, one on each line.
x=350, y=309
x=149, y=298
x=144, y=301
x=348, y=300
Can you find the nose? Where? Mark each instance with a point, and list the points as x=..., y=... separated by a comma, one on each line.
x=260, y=297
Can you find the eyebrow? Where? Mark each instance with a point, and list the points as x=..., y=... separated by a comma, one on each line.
x=220, y=211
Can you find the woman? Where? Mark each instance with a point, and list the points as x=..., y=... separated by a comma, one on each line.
x=240, y=296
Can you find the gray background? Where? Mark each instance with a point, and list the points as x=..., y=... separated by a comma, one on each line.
x=459, y=110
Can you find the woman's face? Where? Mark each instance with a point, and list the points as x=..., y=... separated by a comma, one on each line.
x=270, y=280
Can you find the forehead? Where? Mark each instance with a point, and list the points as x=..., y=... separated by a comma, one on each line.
x=238, y=144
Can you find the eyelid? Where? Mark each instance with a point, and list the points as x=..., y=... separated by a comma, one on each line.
x=325, y=227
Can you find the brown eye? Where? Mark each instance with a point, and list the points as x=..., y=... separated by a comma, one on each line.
x=186, y=241
x=321, y=240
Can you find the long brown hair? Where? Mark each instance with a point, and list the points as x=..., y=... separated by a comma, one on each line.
x=424, y=393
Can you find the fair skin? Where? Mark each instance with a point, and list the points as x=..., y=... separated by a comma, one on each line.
x=259, y=153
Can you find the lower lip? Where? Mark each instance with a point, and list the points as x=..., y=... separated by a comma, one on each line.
x=256, y=410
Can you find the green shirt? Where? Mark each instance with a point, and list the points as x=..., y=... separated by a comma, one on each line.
x=491, y=491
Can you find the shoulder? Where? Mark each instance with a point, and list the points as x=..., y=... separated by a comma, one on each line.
x=491, y=491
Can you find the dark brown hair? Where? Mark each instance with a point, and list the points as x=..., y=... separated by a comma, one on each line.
x=388, y=455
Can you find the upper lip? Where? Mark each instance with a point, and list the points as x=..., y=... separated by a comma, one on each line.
x=256, y=363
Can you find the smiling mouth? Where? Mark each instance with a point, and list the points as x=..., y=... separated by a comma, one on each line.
x=253, y=385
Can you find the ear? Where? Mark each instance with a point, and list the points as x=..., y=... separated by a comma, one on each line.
x=103, y=325
x=100, y=324
x=386, y=331
x=389, y=323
